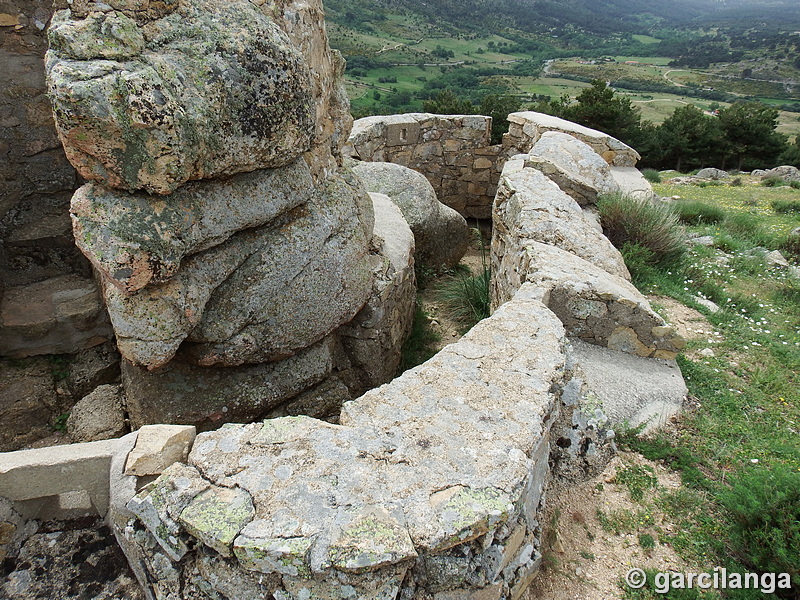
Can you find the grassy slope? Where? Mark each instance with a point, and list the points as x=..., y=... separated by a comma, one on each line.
x=746, y=414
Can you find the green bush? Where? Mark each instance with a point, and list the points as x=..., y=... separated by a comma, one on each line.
x=795, y=185
x=785, y=207
x=652, y=175
x=774, y=182
x=651, y=225
x=696, y=212
x=765, y=510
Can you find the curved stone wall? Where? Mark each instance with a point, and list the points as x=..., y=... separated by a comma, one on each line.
x=431, y=486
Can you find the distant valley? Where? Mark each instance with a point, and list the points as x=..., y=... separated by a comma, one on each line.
x=661, y=55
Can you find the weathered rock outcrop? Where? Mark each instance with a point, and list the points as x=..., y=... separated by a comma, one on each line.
x=788, y=173
x=151, y=101
x=573, y=165
x=441, y=235
x=230, y=244
x=426, y=505
x=529, y=206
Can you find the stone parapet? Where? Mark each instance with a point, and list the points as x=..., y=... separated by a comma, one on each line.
x=453, y=151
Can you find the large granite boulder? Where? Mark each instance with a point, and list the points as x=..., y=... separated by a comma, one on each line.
x=149, y=102
x=183, y=393
x=788, y=173
x=136, y=240
x=632, y=183
x=629, y=389
x=441, y=234
x=527, y=127
x=309, y=275
x=261, y=295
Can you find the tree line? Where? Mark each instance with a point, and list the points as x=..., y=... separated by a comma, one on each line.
x=741, y=136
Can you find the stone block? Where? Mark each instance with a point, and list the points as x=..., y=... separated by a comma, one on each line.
x=98, y=416
x=58, y=470
x=158, y=447
x=630, y=389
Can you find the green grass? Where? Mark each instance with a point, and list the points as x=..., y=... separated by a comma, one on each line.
x=738, y=452
x=465, y=297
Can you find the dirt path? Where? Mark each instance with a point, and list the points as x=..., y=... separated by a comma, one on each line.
x=583, y=558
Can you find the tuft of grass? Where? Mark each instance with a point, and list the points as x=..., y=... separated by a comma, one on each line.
x=651, y=225
x=465, y=298
x=619, y=521
x=421, y=343
x=652, y=175
x=647, y=541
x=696, y=212
x=638, y=479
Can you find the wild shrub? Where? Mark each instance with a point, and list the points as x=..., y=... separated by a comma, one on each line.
x=785, y=207
x=651, y=225
x=652, y=175
x=696, y=212
x=641, y=264
x=774, y=182
x=466, y=297
x=795, y=185
x=765, y=526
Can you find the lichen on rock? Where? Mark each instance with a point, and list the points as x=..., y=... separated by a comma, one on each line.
x=213, y=88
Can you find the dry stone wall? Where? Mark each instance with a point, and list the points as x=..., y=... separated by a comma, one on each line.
x=455, y=154
x=431, y=486
x=452, y=151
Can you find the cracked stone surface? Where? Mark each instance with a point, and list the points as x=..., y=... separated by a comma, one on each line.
x=598, y=307
x=529, y=206
x=577, y=169
x=421, y=478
